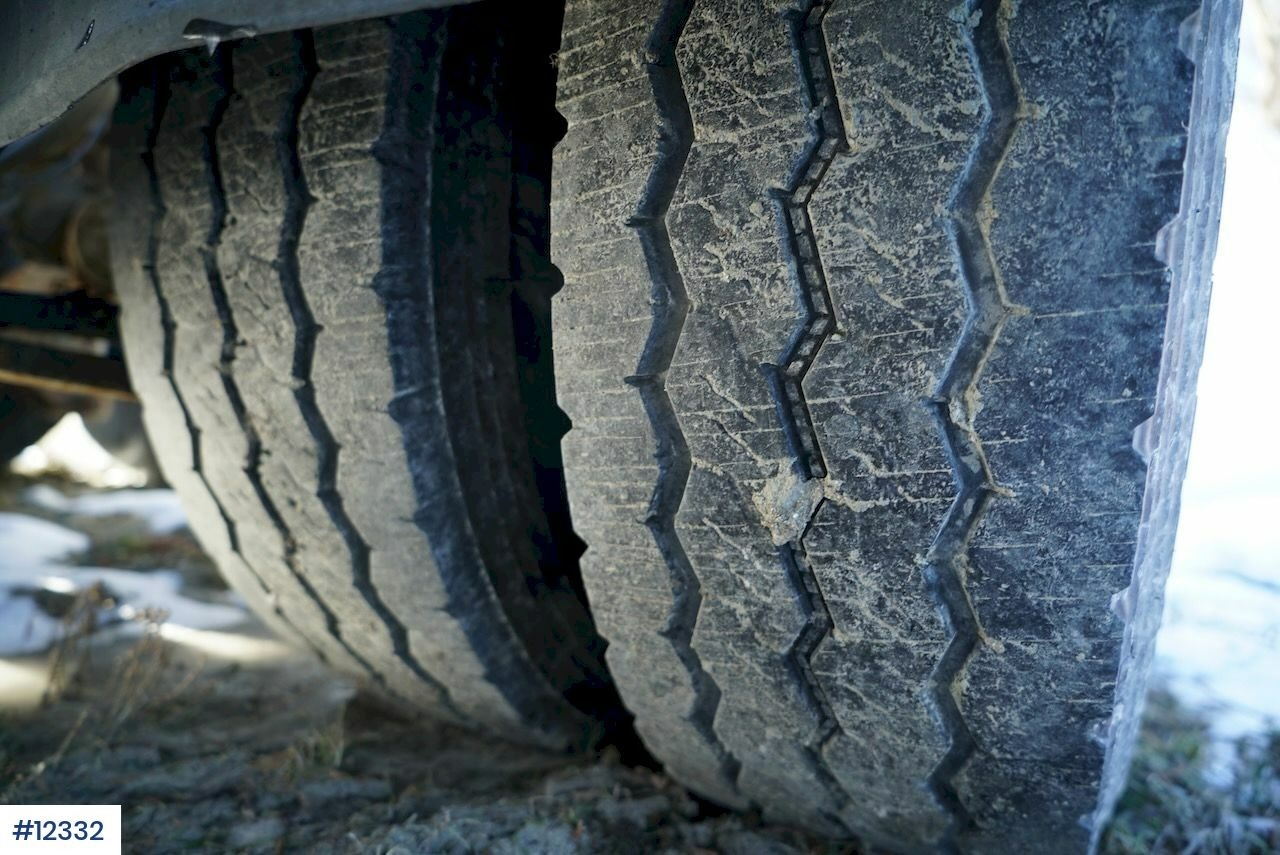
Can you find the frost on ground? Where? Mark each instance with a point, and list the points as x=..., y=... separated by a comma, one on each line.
x=159, y=509
x=172, y=701
x=209, y=753
x=215, y=737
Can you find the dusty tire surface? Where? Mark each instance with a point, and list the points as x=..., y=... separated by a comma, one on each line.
x=334, y=279
x=863, y=306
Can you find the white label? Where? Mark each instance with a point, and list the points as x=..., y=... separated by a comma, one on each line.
x=60, y=829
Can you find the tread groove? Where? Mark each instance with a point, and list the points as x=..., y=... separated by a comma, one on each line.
x=952, y=405
x=671, y=304
x=227, y=354
x=306, y=330
x=160, y=88
x=428, y=57
x=536, y=128
x=827, y=140
x=875, y=517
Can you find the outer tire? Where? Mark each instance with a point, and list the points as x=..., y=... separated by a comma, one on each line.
x=334, y=284
x=865, y=303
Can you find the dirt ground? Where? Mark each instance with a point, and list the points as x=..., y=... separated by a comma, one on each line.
x=209, y=753
x=225, y=740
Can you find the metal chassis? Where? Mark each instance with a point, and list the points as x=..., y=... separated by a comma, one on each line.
x=53, y=52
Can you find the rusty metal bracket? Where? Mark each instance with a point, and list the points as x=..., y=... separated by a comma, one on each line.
x=39, y=367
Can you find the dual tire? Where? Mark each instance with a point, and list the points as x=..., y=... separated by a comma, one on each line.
x=855, y=312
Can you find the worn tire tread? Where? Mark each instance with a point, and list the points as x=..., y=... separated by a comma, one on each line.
x=887, y=382
x=322, y=330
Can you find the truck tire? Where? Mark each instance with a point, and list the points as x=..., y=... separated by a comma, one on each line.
x=330, y=248
x=864, y=304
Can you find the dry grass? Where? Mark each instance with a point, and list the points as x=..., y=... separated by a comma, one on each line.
x=314, y=753
x=147, y=551
x=136, y=682
x=1173, y=804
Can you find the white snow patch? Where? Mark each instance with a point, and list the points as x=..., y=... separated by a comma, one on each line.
x=31, y=554
x=27, y=542
x=69, y=446
x=161, y=509
x=26, y=628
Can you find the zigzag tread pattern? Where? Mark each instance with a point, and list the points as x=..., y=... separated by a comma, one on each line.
x=914, y=522
x=238, y=296
x=143, y=103
x=239, y=489
x=723, y=546
x=947, y=561
x=208, y=253
x=174, y=462
x=346, y=410
x=670, y=301
x=786, y=378
x=257, y=507
x=281, y=444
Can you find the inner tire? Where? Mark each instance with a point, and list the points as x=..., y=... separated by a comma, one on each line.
x=331, y=252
